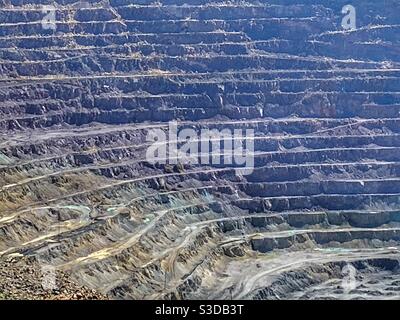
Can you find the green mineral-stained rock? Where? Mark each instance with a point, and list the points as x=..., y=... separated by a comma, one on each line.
x=4, y=159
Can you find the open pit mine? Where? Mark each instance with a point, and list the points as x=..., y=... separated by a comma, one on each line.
x=86, y=214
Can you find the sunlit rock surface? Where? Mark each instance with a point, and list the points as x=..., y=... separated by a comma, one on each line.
x=78, y=194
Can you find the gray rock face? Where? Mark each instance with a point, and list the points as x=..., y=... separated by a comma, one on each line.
x=81, y=86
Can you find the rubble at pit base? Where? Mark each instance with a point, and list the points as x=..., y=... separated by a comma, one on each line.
x=80, y=92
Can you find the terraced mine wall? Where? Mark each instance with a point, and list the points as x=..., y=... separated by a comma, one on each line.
x=83, y=83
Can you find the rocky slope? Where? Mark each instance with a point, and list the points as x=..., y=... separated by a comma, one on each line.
x=25, y=279
x=77, y=101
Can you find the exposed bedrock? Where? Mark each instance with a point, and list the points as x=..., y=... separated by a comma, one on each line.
x=376, y=279
x=79, y=193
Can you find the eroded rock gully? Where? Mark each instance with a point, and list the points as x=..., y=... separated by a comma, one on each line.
x=76, y=190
